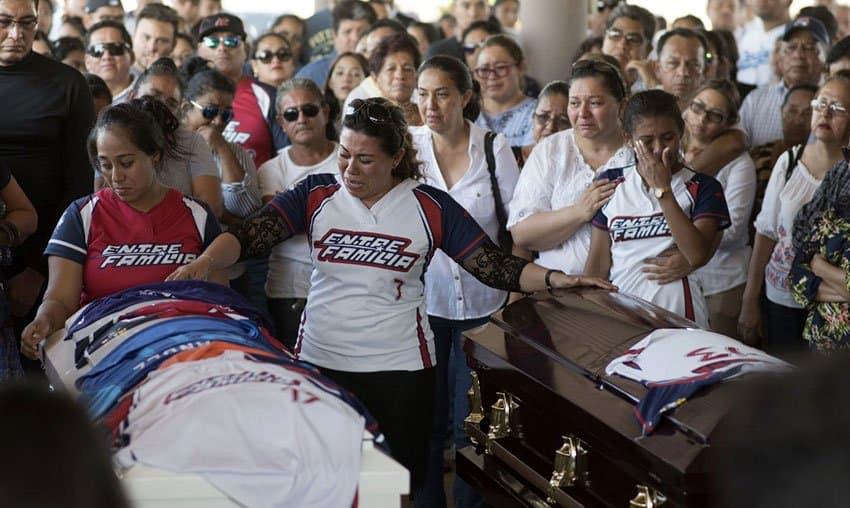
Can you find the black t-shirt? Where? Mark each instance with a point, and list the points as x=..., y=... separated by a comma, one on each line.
x=46, y=118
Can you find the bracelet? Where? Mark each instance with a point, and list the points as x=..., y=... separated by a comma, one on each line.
x=547, y=279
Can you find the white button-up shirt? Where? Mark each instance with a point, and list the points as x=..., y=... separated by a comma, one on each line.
x=450, y=291
x=555, y=176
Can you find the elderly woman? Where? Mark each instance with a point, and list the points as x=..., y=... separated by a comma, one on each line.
x=305, y=117
x=797, y=175
x=393, y=64
x=374, y=228
x=550, y=116
x=659, y=203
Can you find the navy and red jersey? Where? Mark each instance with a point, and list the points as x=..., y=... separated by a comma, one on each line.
x=366, y=310
x=121, y=247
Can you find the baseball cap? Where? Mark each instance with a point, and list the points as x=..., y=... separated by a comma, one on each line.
x=221, y=23
x=814, y=26
x=93, y=5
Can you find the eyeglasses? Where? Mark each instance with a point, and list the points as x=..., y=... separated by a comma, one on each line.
x=713, y=116
x=229, y=42
x=806, y=49
x=561, y=122
x=25, y=24
x=470, y=48
x=632, y=39
x=267, y=56
x=835, y=108
x=210, y=112
x=309, y=110
x=113, y=48
x=500, y=70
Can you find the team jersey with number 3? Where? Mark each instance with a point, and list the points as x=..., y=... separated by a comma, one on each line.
x=366, y=309
x=638, y=230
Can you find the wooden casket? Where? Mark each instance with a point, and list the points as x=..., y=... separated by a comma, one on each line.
x=551, y=428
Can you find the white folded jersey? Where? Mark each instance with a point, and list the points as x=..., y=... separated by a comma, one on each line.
x=263, y=434
x=675, y=355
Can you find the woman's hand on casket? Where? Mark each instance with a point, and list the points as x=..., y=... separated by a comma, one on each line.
x=198, y=269
x=40, y=328
x=562, y=280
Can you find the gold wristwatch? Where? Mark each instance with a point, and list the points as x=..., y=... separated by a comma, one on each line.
x=659, y=191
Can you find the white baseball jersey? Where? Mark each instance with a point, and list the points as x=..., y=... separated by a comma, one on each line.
x=263, y=434
x=638, y=230
x=674, y=355
x=366, y=311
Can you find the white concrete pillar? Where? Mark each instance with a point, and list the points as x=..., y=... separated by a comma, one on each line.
x=551, y=32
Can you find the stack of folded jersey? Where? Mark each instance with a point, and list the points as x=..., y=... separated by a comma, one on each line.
x=188, y=379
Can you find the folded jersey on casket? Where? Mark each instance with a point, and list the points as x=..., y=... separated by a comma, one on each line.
x=675, y=363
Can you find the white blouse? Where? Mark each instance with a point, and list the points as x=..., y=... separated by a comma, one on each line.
x=781, y=203
x=450, y=291
x=289, y=262
x=728, y=267
x=555, y=176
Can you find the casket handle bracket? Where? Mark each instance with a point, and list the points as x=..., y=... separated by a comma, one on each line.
x=504, y=419
x=647, y=497
x=476, y=408
x=570, y=466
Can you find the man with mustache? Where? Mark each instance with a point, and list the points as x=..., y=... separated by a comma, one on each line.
x=801, y=58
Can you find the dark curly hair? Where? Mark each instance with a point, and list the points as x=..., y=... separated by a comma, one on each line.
x=383, y=119
x=148, y=122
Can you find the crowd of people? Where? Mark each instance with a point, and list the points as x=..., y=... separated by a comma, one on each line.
x=377, y=185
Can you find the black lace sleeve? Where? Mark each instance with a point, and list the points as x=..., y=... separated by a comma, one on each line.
x=493, y=267
x=260, y=232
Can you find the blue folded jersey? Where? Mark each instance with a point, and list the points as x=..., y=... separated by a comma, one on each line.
x=179, y=290
x=128, y=363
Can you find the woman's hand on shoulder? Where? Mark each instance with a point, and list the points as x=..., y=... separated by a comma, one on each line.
x=595, y=197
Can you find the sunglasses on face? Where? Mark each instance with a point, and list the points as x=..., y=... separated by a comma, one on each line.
x=632, y=39
x=267, y=56
x=210, y=112
x=499, y=70
x=713, y=116
x=309, y=110
x=114, y=49
x=229, y=42
x=470, y=48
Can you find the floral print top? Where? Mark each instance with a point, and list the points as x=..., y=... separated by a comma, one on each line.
x=828, y=323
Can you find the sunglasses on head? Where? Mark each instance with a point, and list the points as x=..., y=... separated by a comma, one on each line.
x=309, y=110
x=597, y=65
x=374, y=111
x=114, y=49
x=267, y=56
x=229, y=42
x=210, y=112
